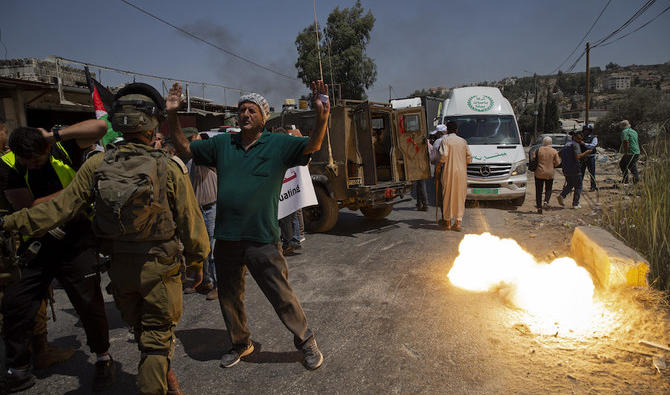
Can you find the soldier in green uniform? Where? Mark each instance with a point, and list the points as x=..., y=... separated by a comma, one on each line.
x=147, y=219
x=38, y=167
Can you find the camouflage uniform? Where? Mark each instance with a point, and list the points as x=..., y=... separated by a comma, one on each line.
x=145, y=276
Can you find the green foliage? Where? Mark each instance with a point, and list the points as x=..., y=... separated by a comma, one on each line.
x=612, y=66
x=551, y=115
x=427, y=92
x=644, y=222
x=348, y=33
x=644, y=108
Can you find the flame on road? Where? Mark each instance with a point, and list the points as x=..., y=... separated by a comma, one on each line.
x=559, y=293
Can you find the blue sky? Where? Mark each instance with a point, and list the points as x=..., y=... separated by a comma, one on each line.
x=416, y=44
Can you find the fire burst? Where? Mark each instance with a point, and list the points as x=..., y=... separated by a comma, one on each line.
x=555, y=294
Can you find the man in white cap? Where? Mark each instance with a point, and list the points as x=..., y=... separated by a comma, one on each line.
x=250, y=170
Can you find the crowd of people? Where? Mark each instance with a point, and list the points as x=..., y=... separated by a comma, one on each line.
x=154, y=215
x=576, y=158
x=158, y=206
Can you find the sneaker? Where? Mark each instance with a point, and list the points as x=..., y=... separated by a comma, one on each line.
x=560, y=200
x=539, y=210
x=287, y=250
x=546, y=205
x=577, y=206
x=232, y=357
x=205, y=287
x=302, y=239
x=18, y=380
x=312, y=356
x=105, y=371
x=213, y=295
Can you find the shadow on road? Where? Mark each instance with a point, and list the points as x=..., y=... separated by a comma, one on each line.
x=351, y=223
x=260, y=356
x=80, y=367
x=204, y=344
x=113, y=316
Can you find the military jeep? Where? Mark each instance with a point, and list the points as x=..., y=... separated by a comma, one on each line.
x=368, y=159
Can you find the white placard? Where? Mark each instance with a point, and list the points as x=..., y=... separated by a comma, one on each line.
x=296, y=192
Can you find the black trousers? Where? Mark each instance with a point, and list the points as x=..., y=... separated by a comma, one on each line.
x=629, y=162
x=269, y=269
x=539, y=183
x=76, y=273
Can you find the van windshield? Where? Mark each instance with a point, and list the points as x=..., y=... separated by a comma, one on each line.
x=487, y=129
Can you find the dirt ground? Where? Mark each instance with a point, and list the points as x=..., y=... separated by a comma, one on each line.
x=611, y=358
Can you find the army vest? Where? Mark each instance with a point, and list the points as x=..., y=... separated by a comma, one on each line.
x=131, y=203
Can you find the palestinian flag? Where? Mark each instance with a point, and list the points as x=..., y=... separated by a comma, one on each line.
x=102, y=102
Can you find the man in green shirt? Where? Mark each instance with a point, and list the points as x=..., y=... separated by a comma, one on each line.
x=631, y=152
x=250, y=169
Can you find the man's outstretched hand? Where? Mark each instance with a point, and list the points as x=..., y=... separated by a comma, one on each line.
x=320, y=101
x=174, y=99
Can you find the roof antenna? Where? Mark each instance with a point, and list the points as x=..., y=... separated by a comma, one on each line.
x=318, y=47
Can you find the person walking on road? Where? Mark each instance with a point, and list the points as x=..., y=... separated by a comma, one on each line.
x=147, y=219
x=250, y=169
x=590, y=142
x=631, y=152
x=571, y=154
x=547, y=159
x=455, y=156
x=203, y=180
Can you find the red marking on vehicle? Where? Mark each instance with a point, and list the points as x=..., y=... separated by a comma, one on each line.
x=291, y=177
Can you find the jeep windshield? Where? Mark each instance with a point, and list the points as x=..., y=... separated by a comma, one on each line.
x=487, y=129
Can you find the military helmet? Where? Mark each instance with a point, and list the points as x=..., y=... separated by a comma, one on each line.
x=137, y=107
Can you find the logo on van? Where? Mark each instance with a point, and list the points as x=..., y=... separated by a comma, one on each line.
x=480, y=103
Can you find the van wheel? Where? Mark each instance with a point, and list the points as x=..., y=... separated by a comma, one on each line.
x=519, y=201
x=377, y=213
x=323, y=217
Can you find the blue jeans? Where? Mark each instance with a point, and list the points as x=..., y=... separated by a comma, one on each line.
x=420, y=190
x=290, y=230
x=572, y=181
x=208, y=269
x=589, y=163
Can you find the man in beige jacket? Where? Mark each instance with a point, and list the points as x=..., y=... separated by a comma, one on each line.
x=547, y=160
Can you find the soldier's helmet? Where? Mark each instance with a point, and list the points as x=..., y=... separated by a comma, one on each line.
x=137, y=107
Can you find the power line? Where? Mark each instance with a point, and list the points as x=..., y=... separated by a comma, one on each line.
x=211, y=44
x=636, y=30
x=630, y=20
x=583, y=38
x=133, y=73
x=603, y=41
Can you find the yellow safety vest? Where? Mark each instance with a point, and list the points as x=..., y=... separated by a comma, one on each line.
x=64, y=171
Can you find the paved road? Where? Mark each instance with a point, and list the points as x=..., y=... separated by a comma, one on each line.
x=375, y=294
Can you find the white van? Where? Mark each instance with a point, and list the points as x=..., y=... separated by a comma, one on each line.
x=486, y=120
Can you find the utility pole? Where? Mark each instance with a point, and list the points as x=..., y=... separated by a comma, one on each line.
x=535, y=112
x=390, y=96
x=588, y=86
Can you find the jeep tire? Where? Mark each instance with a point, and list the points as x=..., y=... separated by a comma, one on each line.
x=323, y=217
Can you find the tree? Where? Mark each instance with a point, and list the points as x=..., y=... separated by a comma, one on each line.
x=551, y=122
x=612, y=66
x=348, y=33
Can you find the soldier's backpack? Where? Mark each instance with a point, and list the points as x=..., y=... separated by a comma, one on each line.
x=131, y=201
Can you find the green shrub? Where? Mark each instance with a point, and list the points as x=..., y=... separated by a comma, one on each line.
x=644, y=221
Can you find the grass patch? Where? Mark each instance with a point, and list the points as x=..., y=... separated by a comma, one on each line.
x=643, y=221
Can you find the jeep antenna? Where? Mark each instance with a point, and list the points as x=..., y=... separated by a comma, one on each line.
x=331, y=163
x=318, y=47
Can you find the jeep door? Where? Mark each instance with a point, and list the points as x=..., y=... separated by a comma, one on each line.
x=412, y=138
